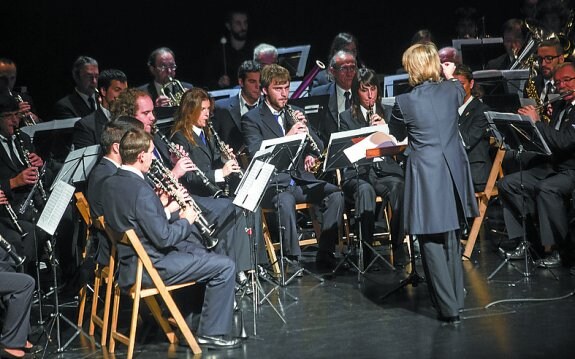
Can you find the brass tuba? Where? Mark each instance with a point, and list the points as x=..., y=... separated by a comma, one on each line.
x=173, y=90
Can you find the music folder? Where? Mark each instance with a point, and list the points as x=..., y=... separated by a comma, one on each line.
x=517, y=132
x=282, y=152
x=78, y=165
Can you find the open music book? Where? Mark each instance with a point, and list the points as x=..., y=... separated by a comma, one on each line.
x=378, y=137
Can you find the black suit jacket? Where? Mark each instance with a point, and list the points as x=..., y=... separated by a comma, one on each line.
x=141, y=209
x=473, y=129
x=151, y=89
x=227, y=122
x=561, y=142
x=71, y=106
x=259, y=125
x=502, y=62
x=331, y=122
x=88, y=130
x=9, y=170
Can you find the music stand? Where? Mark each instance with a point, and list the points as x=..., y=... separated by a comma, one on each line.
x=49, y=219
x=44, y=134
x=518, y=133
x=314, y=108
x=78, y=165
x=348, y=149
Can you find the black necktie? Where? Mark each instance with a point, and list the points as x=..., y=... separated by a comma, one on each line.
x=92, y=103
x=347, y=99
x=548, y=90
x=13, y=156
x=251, y=107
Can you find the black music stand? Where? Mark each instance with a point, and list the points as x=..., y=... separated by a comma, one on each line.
x=314, y=108
x=78, y=165
x=338, y=156
x=518, y=133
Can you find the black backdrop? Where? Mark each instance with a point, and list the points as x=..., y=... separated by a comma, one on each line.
x=44, y=37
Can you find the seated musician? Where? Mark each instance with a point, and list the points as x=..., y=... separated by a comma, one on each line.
x=542, y=190
x=195, y=136
x=175, y=248
x=383, y=178
x=271, y=120
x=8, y=76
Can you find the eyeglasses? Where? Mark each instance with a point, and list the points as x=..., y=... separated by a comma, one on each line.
x=166, y=67
x=547, y=58
x=348, y=69
x=563, y=81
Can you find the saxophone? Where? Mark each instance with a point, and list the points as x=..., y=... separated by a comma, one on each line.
x=532, y=93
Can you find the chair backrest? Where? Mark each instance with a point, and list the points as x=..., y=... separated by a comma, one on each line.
x=83, y=207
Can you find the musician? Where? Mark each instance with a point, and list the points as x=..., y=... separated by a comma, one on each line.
x=342, y=68
x=549, y=54
x=513, y=40
x=83, y=100
x=438, y=189
x=174, y=247
x=8, y=73
x=449, y=58
x=107, y=166
x=546, y=188
x=473, y=129
x=270, y=120
x=384, y=178
x=192, y=133
x=228, y=112
x=88, y=130
x=16, y=292
x=162, y=66
x=341, y=41
x=16, y=181
x=265, y=54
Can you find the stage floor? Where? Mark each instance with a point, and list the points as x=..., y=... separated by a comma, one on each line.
x=510, y=316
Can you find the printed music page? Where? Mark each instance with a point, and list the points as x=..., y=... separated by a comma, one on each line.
x=375, y=140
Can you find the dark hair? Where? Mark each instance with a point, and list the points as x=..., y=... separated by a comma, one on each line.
x=156, y=52
x=248, y=66
x=366, y=77
x=106, y=77
x=233, y=12
x=423, y=35
x=553, y=42
x=466, y=71
x=340, y=41
x=80, y=62
x=8, y=104
x=133, y=143
x=115, y=130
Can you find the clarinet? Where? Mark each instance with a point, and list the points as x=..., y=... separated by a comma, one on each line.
x=30, y=197
x=14, y=220
x=229, y=155
x=163, y=179
x=314, y=147
x=215, y=190
x=26, y=154
x=6, y=246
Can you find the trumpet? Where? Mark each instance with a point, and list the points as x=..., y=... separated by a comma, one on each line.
x=164, y=180
x=6, y=246
x=26, y=155
x=215, y=190
x=173, y=90
x=314, y=147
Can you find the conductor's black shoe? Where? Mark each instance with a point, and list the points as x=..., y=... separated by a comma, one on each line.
x=517, y=253
x=399, y=257
x=218, y=342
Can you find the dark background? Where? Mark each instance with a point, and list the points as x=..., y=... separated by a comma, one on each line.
x=45, y=37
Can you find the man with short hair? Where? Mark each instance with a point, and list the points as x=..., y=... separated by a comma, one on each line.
x=83, y=100
x=265, y=54
x=88, y=130
x=162, y=66
x=549, y=55
x=174, y=247
x=8, y=73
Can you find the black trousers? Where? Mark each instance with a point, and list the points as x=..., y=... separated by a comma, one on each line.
x=16, y=290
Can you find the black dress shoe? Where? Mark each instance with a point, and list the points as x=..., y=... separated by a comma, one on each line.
x=218, y=342
x=327, y=260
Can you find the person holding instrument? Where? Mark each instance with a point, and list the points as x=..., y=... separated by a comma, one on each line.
x=438, y=187
x=383, y=178
x=173, y=246
x=192, y=132
x=271, y=120
x=542, y=189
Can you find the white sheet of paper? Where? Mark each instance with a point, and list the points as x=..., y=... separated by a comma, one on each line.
x=55, y=207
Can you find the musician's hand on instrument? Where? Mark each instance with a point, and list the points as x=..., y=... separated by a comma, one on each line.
x=190, y=214
x=230, y=167
x=309, y=162
x=376, y=120
x=164, y=197
x=35, y=160
x=298, y=127
x=24, y=107
x=162, y=101
x=231, y=152
x=3, y=198
x=173, y=206
x=530, y=111
x=183, y=165
x=28, y=176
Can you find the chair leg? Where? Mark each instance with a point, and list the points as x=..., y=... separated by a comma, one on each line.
x=270, y=246
x=115, y=314
x=95, y=297
x=82, y=306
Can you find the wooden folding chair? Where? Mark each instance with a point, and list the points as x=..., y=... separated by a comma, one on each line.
x=483, y=201
x=105, y=274
x=137, y=292
x=271, y=247
x=84, y=210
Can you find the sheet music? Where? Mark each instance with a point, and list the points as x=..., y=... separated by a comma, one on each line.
x=376, y=140
x=78, y=165
x=251, y=191
x=275, y=141
x=55, y=207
